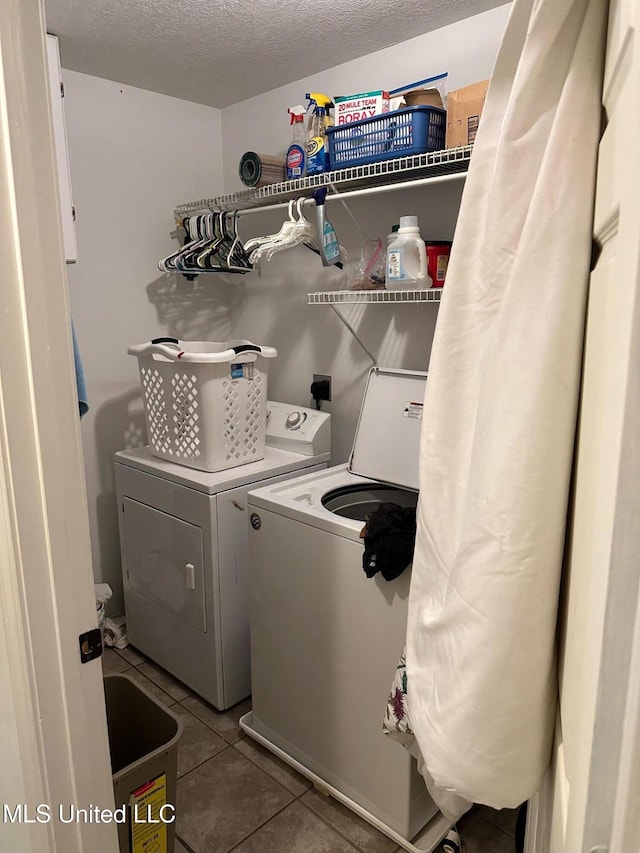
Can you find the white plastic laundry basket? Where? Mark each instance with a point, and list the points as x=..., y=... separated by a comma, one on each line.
x=205, y=402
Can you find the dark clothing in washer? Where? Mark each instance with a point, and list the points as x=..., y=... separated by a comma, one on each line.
x=389, y=539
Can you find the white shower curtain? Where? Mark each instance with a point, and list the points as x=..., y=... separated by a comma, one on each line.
x=500, y=412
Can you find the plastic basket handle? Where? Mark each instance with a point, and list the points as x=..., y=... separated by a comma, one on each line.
x=246, y=348
x=239, y=353
x=236, y=349
x=265, y=352
x=171, y=351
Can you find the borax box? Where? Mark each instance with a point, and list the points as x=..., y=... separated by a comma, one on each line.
x=356, y=107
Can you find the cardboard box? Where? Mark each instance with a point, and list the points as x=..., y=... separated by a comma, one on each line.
x=356, y=107
x=464, y=107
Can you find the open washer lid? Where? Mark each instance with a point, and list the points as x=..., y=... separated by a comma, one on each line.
x=386, y=446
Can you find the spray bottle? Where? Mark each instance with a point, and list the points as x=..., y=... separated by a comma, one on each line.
x=327, y=240
x=317, y=99
x=297, y=151
x=317, y=144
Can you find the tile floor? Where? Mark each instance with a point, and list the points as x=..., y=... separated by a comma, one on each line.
x=233, y=795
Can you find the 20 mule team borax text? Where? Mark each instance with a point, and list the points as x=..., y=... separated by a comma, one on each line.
x=44, y=813
x=355, y=107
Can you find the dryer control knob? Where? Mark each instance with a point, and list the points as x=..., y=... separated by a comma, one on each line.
x=293, y=420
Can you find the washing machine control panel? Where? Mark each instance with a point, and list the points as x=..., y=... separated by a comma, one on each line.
x=295, y=420
x=298, y=429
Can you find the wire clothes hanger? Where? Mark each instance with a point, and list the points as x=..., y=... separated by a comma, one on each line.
x=212, y=244
x=256, y=244
x=295, y=231
x=226, y=253
x=190, y=226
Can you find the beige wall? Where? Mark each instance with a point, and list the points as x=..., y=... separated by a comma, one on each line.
x=134, y=155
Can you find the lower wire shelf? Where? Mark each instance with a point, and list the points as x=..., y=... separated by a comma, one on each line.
x=354, y=297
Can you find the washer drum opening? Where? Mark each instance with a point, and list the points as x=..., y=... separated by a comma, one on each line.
x=358, y=502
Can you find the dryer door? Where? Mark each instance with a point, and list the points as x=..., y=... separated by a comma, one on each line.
x=164, y=561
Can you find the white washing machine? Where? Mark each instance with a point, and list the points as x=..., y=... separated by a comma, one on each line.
x=183, y=538
x=325, y=639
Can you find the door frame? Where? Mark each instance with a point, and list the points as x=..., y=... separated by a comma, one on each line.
x=612, y=820
x=54, y=744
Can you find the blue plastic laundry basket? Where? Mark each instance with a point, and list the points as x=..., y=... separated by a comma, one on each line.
x=401, y=133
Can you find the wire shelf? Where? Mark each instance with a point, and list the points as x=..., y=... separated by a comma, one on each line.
x=399, y=170
x=354, y=297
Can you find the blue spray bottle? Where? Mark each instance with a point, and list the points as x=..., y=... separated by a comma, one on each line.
x=297, y=151
x=327, y=240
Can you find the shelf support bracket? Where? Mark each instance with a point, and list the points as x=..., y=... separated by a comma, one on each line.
x=336, y=192
x=354, y=333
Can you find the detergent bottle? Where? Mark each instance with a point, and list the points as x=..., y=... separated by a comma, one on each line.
x=297, y=151
x=407, y=258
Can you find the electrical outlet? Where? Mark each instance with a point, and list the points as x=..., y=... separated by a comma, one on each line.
x=321, y=387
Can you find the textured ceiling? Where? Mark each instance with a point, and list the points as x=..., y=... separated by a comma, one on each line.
x=219, y=52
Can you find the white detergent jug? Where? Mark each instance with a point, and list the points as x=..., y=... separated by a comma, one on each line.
x=407, y=258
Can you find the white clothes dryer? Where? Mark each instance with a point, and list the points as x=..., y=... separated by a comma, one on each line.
x=183, y=538
x=325, y=639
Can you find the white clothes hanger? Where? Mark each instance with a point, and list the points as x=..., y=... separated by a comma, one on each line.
x=293, y=233
x=286, y=225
